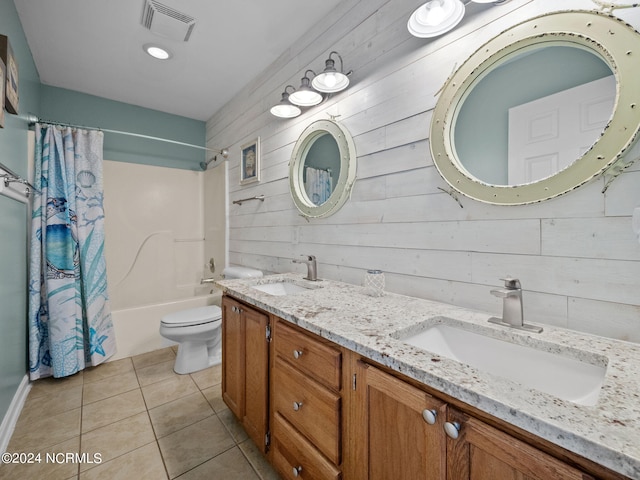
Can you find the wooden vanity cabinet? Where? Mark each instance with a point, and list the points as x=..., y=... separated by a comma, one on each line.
x=481, y=452
x=245, y=367
x=397, y=429
x=306, y=404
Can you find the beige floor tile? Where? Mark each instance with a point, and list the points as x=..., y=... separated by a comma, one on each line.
x=109, y=387
x=233, y=426
x=151, y=358
x=142, y=463
x=230, y=465
x=185, y=411
x=109, y=369
x=155, y=373
x=258, y=462
x=214, y=397
x=194, y=445
x=52, y=386
x=113, y=409
x=117, y=438
x=168, y=390
x=38, y=407
x=208, y=377
x=52, y=467
x=45, y=432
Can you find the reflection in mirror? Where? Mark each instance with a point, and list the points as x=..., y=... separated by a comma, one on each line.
x=321, y=168
x=533, y=115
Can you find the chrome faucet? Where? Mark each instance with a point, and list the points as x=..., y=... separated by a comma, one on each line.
x=312, y=273
x=512, y=315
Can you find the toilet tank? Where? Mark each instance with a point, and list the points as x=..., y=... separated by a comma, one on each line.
x=241, y=272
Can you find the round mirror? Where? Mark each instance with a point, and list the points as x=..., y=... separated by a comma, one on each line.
x=540, y=109
x=322, y=169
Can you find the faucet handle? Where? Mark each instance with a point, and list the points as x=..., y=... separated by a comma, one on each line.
x=511, y=283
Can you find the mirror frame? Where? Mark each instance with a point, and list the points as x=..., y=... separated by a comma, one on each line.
x=610, y=38
x=346, y=178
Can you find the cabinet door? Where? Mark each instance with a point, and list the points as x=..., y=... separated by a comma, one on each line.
x=256, y=367
x=396, y=442
x=233, y=355
x=483, y=453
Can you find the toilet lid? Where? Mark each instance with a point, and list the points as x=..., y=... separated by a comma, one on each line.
x=193, y=316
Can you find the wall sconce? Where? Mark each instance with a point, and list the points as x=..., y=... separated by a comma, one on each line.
x=437, y=17
x=330, y=80
x=305, y=96
x=285, y=109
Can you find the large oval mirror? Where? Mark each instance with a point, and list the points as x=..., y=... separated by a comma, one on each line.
x=540, y=109
x=322, y=169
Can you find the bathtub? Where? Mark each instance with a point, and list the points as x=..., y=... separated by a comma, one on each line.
x=136, y=328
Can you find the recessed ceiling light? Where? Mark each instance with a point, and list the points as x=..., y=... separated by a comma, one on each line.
x=157, y=51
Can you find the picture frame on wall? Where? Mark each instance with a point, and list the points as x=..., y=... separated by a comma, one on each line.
x=250, y=162
x=3, y=76
x=11, y=94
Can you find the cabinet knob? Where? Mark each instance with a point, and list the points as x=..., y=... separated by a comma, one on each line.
x=297, y=406
x=452, y=429
x=296, y=471
x=429, y=416
x=297, y=354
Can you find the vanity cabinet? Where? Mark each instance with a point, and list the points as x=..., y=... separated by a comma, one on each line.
x=245, y=367
x=481, y=452
x=306, y=401
x=398, y=432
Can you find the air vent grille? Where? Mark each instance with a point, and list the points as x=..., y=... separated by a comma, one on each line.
x=166, y=21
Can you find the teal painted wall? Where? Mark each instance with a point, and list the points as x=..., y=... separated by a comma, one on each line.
x=13, y=217
x=66, y=106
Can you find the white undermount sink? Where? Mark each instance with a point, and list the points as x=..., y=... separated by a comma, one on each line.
x=564, y=377
x=282, y=287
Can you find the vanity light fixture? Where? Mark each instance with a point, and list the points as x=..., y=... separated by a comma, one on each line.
x=285, y=109
x=156, y=51
x=305, y=96
x=331, y=80
x=435, y=18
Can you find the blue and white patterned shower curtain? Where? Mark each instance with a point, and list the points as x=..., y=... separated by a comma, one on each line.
x=70, y=324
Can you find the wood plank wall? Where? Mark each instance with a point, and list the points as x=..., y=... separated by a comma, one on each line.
x=576, y=255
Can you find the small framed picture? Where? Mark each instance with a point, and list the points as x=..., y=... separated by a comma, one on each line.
x=250, y=162
x=11, y=75
x=3, y=75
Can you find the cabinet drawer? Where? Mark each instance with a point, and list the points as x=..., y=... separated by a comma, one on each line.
x=291, y=451
x=309, y=407
x=311, y=356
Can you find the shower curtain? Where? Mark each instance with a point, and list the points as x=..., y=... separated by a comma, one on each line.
x=70, y=324
x=318, y=185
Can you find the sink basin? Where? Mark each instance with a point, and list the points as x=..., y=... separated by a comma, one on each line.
x=282, y=288
x=552, y=373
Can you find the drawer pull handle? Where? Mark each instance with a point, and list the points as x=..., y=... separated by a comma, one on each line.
x=429, y=416
x=296, y=471
x=297, y=406
x=297, y=354
x=452, y=429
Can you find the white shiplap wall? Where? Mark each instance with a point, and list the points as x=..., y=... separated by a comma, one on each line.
x=576, y=256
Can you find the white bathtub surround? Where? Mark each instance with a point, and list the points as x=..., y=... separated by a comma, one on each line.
x=606, y=433
x=576, y=256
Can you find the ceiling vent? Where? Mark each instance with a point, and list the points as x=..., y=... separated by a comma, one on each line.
x=166, y=21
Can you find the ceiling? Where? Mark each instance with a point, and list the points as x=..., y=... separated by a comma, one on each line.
x=95, y=47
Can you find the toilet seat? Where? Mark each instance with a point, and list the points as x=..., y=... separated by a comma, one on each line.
x=192, y=317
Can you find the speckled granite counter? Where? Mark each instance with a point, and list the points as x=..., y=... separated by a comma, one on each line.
x=607, y=433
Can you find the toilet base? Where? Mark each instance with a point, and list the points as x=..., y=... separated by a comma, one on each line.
x=195, y=356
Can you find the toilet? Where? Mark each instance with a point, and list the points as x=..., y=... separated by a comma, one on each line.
x=198, y=330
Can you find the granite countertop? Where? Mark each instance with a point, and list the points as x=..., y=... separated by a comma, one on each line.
x=607, y=433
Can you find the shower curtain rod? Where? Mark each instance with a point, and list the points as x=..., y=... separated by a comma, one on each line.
x=32, y=119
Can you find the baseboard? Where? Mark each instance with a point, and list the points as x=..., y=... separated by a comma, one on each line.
x=11, y=418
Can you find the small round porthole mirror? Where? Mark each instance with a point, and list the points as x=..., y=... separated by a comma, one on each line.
x=322, y=169
x=540, y=109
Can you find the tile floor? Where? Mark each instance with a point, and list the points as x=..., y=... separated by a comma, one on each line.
x=142, y=420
